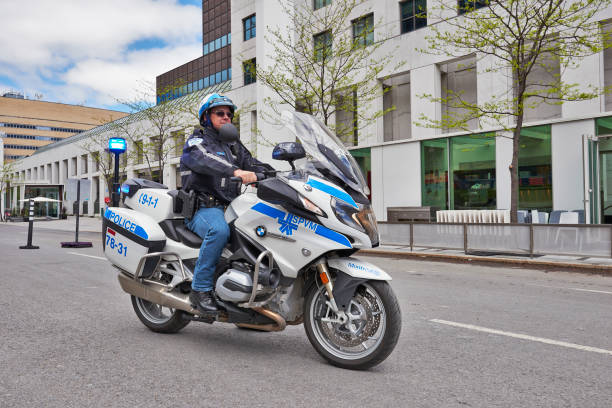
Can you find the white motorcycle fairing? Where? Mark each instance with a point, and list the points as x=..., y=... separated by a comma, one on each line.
x=357, y=268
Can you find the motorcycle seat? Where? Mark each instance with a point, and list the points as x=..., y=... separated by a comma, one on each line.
x=176, y=230
x=187, y=237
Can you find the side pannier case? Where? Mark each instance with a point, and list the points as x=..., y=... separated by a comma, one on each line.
x=127, y=235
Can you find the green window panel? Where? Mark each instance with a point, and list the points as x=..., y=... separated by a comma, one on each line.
x=434, y=173
x=472, y=162
x=535, y=169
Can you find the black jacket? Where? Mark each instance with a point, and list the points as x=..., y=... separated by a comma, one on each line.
x=207, y=164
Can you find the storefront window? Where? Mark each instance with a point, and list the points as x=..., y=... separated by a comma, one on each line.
x=363, y=159
x=535, y=170
x=434, y=173
x=472, y=161
x=44, y=209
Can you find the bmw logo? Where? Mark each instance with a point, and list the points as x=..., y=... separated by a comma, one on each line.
x=260, y=231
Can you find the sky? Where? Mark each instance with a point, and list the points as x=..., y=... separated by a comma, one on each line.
x=94, y=53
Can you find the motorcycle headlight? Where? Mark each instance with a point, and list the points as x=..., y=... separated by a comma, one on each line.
x=347, y=214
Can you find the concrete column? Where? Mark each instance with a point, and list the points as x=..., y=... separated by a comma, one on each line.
x=425, y=80
x=13, y=197
x=503, y=158
x=55, y=173
x=63, y=172
x=92, y=195
x=170, y=176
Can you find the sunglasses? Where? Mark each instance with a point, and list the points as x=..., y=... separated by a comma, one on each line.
x=223, y=114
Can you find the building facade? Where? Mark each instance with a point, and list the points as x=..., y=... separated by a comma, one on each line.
x=565, y=161
x=30, y=124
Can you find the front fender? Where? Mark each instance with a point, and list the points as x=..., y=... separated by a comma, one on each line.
x=358, y=268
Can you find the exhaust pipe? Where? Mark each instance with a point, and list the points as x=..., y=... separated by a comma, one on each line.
x=156, y=292
x=278, y=325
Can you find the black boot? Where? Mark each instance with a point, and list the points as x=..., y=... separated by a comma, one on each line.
x=204, y=301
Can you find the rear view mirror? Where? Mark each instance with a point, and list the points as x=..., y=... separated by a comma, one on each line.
x=288, y=151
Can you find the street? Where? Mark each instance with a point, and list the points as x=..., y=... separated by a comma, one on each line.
x=472, y=336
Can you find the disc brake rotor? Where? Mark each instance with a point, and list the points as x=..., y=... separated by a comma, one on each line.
x=366, y=320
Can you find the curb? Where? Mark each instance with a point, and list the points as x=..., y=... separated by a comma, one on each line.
x=478, y=260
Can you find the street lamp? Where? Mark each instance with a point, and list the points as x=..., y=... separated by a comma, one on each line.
x=117, y=146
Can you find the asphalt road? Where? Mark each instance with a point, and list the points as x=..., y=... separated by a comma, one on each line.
x=472, y=336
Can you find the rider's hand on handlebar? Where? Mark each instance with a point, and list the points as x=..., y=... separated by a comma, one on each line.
x=246, y=176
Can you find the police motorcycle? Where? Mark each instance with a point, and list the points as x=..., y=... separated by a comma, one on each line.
x=288, y=260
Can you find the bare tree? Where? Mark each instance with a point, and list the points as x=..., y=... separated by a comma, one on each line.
x=6, y=171
x=516, y=37
x=152, y=128
x=328, y=66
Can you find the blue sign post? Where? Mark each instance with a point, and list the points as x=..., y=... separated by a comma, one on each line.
x=117, y=146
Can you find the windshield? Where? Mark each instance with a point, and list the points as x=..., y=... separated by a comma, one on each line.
x=324, y=151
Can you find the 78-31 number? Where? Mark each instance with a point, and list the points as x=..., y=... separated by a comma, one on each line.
x=110, y=242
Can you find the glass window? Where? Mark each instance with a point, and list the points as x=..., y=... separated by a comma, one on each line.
x=465, y=6
x=206, y=82
x=229, y=38
x=413, y=15
x=205, y=49
x=217, y=77
x=434, y=173
x=363, y=159
x=249, y=71
x=363, y=30
x=189, y=88
x=317, y=4
x=218, y=43
x=472, y=162
x=535, y=170
x=224, y=75
x=322, y=45
x=229, y=73
x=223, y=41
x=248, y=27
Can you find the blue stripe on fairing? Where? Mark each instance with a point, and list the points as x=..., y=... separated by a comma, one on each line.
x=269, y=211
x=332, y=191
x=119, y=220
x=320, y=230
x=333, y=235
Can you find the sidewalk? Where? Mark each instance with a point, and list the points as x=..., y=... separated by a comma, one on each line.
x=547, y=262
x=86, y=224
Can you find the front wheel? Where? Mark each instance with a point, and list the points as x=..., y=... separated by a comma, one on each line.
x=370, y=333
x=158, y=318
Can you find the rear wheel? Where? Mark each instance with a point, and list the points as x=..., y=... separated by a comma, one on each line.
x=367, y=337
x=158, y=318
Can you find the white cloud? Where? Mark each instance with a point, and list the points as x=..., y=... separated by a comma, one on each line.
x=74, y=50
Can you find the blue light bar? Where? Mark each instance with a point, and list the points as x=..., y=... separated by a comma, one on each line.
x=125, y=188
x=116, y=145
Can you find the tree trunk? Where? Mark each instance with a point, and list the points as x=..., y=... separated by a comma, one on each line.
x=514, y=185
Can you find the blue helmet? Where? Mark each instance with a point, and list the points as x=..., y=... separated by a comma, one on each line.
x=210, y=101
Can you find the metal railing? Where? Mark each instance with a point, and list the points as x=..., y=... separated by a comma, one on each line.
x=526, y=239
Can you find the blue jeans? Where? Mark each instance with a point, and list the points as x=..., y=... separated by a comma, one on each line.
x=209, y=224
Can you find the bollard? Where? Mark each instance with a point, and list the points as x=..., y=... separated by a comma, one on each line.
x=76, y=243
x=30, y=228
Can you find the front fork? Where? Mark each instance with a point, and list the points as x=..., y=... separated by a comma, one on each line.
x=327, y=283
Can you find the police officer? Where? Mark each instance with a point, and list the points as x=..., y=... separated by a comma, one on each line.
x=209, y=160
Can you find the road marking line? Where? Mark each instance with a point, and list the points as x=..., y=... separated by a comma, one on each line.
x=561, y=287
x=591, y=290
x=89, y=256
x=523, y=336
